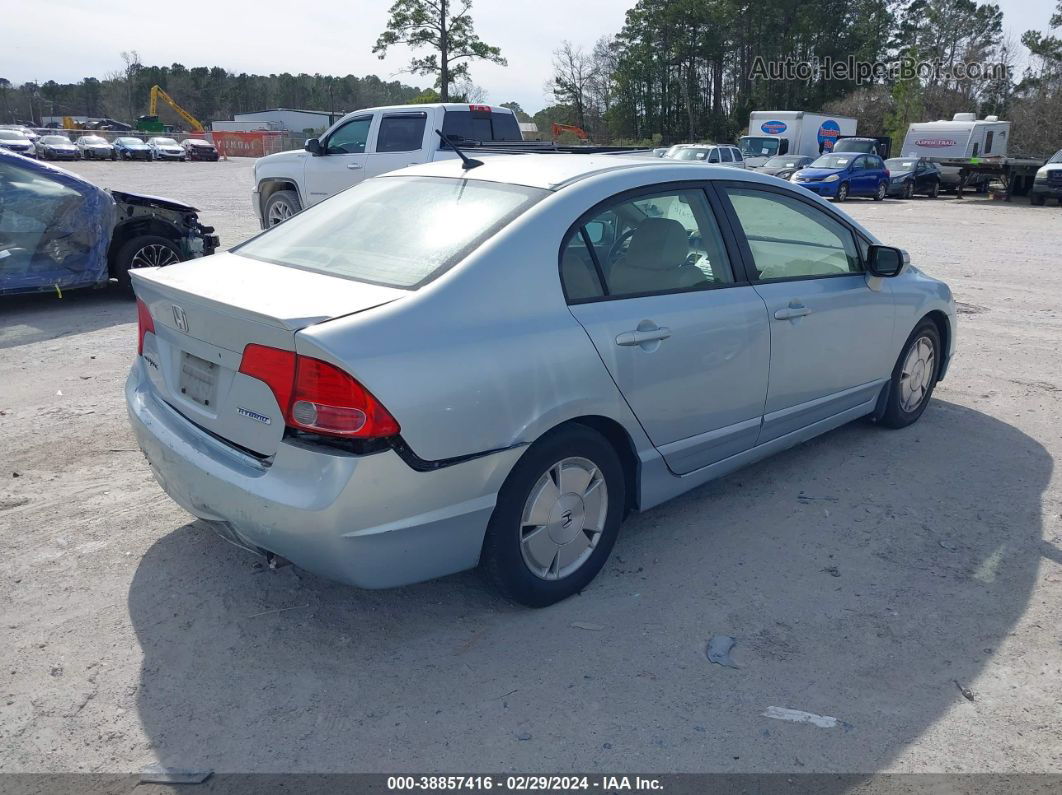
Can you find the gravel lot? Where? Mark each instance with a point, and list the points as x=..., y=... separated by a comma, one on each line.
x=868, y=575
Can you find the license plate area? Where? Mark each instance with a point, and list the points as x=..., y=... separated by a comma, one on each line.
x=198, y=380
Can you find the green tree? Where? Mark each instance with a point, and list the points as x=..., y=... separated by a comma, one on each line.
x=448, y=33
x=521, y=114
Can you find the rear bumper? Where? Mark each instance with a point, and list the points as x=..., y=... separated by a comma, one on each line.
x=370, y=521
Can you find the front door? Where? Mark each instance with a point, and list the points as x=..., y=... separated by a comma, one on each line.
x=830, y=321
x=651, y=280
x=342, y=164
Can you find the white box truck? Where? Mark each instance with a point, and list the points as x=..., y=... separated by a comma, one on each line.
x=963, y=138
x=791, y=132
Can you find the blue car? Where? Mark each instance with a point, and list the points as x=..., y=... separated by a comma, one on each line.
x=838, y=176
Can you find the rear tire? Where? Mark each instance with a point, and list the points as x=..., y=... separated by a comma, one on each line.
x=934, y=192
x=556, y=519
x=883, y=188
x=914, y=377
x=141, y=252
x=1038, y=200
x=280, y=206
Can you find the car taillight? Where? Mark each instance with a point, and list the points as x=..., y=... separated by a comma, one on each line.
x=318, y=397
x=144, y=325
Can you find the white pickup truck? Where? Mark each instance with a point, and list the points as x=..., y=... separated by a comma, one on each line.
x=370, y=142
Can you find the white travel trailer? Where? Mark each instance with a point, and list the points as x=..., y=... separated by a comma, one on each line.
x=791, y=132
x=963, y=138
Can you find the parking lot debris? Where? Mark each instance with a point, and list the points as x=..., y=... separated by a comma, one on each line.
x=807, y=498
x=160, y=774
x=967, y=693
x=833, y=571
x=718, y=650
x=587, y=625
x=799, y=716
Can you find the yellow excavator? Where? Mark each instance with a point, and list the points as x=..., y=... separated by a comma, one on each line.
x=151, y=123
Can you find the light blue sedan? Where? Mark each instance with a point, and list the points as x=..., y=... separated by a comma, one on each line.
x=491, y=364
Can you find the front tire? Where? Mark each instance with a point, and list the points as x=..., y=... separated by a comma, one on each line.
x=908, y=190
x=144, y=251
x=842, y=192
x=280, y=206
x=556, y=519
x=913, y=377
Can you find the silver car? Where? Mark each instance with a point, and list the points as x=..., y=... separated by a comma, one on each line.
x=446, y=367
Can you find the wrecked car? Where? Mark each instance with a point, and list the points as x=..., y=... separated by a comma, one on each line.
x=58, y=231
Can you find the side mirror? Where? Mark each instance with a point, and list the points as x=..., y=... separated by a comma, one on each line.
x=595, y=230
x=886, y=261
x=313, y=146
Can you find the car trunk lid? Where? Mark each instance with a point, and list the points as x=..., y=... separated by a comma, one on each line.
x=206, y=311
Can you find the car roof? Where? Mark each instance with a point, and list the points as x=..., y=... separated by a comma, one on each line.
x=555, y=171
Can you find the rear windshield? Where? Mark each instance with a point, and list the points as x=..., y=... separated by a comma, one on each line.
x=395, y=231
x=471, y=125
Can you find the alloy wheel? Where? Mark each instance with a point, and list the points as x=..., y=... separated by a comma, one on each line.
x=919, y=369
x=279, y=211
x=563, y=518
x=154, y=255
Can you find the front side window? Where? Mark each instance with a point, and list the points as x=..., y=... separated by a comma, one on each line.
x=395, y=231
x=758, y=147
x=658, y=243
x=792, y=239
x=401, y=133
x=350, y=139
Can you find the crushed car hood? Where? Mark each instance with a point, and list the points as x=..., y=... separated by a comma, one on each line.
x=152, y=201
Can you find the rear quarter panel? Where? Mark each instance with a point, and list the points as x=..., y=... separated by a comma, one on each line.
x=488, y=355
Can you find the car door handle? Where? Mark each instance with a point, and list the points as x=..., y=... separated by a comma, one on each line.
x=792, y=311
x=354, y=165
x=629, y=338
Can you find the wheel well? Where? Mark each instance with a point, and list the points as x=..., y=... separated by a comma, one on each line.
x=621, y=442
x=944, y=327
x=269, y=187
x=123, y=233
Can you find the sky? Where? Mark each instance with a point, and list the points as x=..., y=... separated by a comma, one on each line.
x=83, y=38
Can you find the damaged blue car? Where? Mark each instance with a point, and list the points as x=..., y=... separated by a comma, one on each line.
x=59, y=232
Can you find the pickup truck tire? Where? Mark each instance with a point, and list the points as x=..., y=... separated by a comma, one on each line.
x=280, y=206
x=142, y=251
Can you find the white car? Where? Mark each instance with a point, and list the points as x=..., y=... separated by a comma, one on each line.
x=95, y=147
x=15, y=141
x=716, y=154
x=163, y=148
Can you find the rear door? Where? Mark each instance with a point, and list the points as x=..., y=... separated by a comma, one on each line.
x=651, y=278
x=343, y=161
x=400, y=140
x=830, y=324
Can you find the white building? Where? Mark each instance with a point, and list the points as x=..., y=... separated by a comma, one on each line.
x=285, y=119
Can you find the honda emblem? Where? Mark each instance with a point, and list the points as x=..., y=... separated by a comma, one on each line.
x=179, y=319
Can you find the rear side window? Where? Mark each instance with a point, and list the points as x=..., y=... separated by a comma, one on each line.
x=480, y=125
x=737, y=155
x=403, y=133
x=395, y=231
x=658, y=243
x=727, y=157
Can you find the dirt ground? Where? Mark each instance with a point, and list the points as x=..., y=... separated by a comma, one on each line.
x=870, y=576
